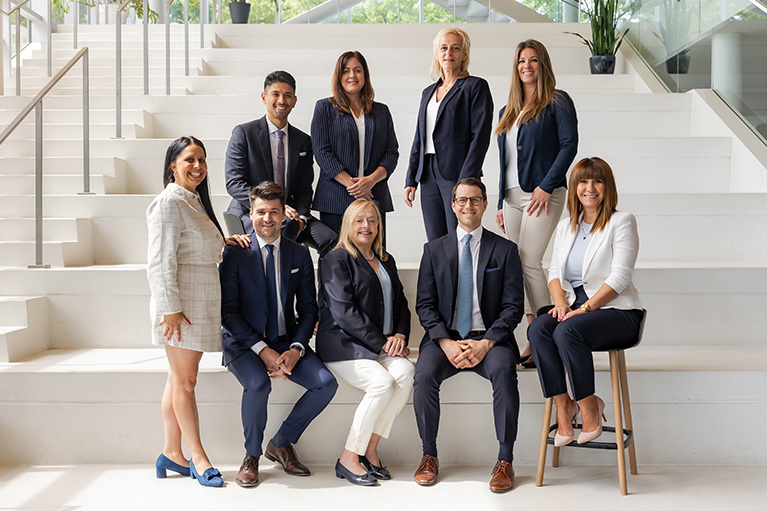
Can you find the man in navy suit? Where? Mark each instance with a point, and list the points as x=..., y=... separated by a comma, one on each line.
x=263, y=287
x=469, y=301
x=269, y=149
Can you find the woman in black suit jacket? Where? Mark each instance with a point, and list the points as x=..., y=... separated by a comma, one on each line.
x=362, y=337
x=452, y=133
x=537, y=142
x=354, y=143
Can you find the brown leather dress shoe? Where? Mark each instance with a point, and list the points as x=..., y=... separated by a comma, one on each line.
x=286, y=456
x=427, y=471
x=503, y=477
x=248, y=474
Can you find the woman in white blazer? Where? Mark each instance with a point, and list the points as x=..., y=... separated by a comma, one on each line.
x=596, y=306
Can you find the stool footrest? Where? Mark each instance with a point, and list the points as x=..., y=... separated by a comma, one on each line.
x=628, y=439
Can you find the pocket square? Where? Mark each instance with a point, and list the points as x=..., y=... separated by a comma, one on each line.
x=302, y=153
x=491, y=270
x=294, y=270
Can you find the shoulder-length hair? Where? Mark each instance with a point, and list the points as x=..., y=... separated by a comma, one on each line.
x=340, y=100
x=544, y=90
x=174, y=149
x=592, y=168
x=344, y=241
x=436, y=69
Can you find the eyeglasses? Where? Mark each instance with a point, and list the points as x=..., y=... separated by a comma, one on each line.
x=475, y=201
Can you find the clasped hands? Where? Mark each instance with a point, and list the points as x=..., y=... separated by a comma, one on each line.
x=395, y=346
x=361, y=187
x=465, y=353
x=563, y=311
x=279, y=365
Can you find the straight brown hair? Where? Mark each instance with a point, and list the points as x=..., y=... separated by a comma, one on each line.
x=340, y=100
x=592, y=168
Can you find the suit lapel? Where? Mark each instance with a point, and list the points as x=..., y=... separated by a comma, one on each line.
x=450, y=94
x=564, y=251
x=597, y=238
x=369, y=132
x=292, y=158
x=486, y=247
x=257, y=266
x=265, y=145
x=450, y=248
x=424, y=103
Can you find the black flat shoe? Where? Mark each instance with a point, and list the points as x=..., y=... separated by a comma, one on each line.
x=364, y=480
x=378, y=472
x=528, y=362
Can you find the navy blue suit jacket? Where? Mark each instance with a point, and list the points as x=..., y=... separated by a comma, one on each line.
x=499, y=287
x=351, y=319
x=546, y=147
x=461, y=133
x=249, y=162
x=335, y=140
x=244, y=302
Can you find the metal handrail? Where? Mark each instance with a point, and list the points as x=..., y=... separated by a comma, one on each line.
x=37, y=104
x=17, y=9
x=119, y=70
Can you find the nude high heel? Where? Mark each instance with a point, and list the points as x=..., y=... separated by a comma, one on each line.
x=562, y=440
x=588, y=436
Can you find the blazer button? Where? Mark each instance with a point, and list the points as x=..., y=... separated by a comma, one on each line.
x=436, y=141
x=519, y=148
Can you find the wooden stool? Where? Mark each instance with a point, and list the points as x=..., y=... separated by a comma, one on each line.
x=624, y=437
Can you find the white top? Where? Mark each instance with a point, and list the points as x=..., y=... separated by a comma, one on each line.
x=273, y=145
x=574, y=264
x=476, y=236
x=512, y=170
x=432, y=107
x=280, y=313
x=361, y=137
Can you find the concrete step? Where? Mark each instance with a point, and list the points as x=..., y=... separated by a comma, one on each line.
x=23, y=327
x=113, y=396
x=54, y=229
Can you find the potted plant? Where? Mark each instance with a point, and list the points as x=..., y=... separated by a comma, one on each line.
x=674, y=34
x=239, y=10
x=605, y=37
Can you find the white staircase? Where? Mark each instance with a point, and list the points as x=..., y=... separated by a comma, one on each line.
x=74, y=339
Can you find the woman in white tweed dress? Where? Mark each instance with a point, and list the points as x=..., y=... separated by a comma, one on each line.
x=185, y=244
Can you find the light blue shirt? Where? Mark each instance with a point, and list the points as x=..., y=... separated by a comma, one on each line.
x=388, y=300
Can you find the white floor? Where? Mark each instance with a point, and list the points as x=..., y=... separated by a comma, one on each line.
x=134, y=487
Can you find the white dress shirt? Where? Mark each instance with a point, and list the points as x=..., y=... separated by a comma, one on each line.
x=476, y=237
x=360, y=121
x=432, y=107
x=280, y=313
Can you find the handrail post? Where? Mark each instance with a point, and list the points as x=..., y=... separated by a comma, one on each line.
x=39, y=187
x=167, y=46
x=76, y=20
x=118, y=73
x=18, y=52
x=86, y=128
x=186, y=37
x=50, y=39
x=203, y=15
x=146, y=47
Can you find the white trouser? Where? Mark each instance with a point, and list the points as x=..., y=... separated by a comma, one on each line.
x=532, y=235
x=387, y=383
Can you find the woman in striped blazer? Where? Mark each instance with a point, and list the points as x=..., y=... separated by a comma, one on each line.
x=354, y=144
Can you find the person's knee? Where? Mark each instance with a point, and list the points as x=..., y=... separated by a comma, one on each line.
x=327, y=383
x=406, y=375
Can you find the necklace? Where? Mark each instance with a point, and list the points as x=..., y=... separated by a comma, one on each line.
x=368, y=258
x=581, y=225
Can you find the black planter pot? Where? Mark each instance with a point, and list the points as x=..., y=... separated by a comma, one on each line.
x=678, y=64
x=602, y=64
x=239, y=11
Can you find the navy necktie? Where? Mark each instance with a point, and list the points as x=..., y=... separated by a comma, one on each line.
x=465, y=290
x=271, y=295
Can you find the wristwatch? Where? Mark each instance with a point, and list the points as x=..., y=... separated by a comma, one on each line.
x=300, y=349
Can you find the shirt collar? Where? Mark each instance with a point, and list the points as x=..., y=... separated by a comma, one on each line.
x=273, y=128
x=262, y=243
x=476, y=234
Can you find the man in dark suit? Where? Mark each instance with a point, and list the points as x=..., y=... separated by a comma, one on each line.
x=262, y=288
x=469, y=301
x=269, y=149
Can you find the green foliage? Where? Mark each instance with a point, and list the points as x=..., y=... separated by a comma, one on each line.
x=62, y=6
x=549, y=8
x=603, y=18
x=674, y=27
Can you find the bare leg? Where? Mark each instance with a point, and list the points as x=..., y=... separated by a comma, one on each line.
x=565, y=407
x=371, y=453
x=172, y=449
x=184, y=365
x=351, y=461
x=590, y=413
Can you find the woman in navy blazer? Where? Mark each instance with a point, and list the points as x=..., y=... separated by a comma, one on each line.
x=596, y=306
x=362, y=337
x=537, y=142
x=452, y=133
x=354, y=143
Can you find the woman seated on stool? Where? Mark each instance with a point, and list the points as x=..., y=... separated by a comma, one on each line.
x=362, y=337
x=596, y=306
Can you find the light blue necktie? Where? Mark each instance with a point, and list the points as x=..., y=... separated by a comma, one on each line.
x=465, y=290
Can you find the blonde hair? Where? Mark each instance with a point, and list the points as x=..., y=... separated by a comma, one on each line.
x=592, y=168
x=436, y=69
x=344, y=241
x=544, y=90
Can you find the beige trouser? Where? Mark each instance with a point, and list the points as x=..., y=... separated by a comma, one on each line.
x=387, y=383
x=532, y=235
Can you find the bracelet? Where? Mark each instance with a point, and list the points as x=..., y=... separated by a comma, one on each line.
x=585, y=307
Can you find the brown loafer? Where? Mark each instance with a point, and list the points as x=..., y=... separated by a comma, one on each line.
x=248, y=474
x=427, y=471
x=286, y=456
x=502, y=479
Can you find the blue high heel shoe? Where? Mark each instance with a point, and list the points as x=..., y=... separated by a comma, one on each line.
x=211, y=477
x=163, y=464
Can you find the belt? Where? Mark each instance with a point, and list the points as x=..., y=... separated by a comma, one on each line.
x=479, y=334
